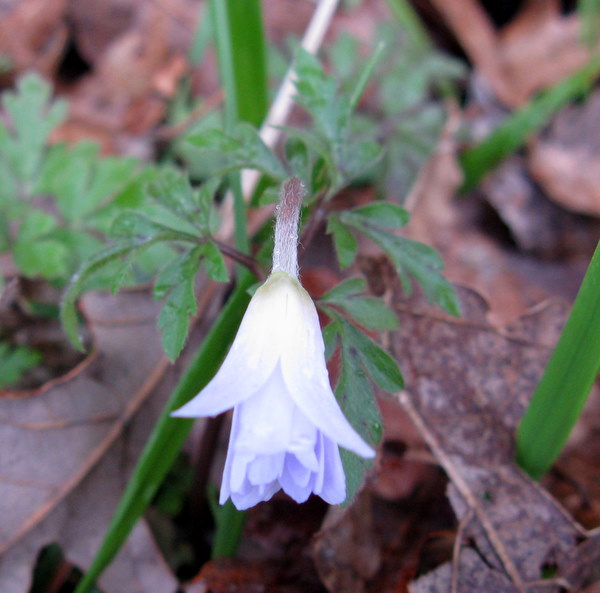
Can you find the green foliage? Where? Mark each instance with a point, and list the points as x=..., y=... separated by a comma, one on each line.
x=360, y=358
x=326, y=157
x=369, y=312
x=566, y=383
x=344, y=156
x=589, y=15
x=15, y=361
x=32, y=117
x=171, y=496
x=410, y=258
x=403, y=111
x=176, y=216
x=241, y=149
x=169, y=434
x=240, y=42
x=176, y=285
x=55, y=201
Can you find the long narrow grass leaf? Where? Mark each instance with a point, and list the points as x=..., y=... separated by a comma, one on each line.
x=242, y=59
x=169, y=434
x=566, y=382
x=518, y=127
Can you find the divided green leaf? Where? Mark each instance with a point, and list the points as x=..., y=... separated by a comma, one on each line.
x=360, y=358
x=176, y=284
x=90, y=268
x=346, y=156
x=243, y=149
x=32, y=118
x=344, y=241
x=369, y=312
x=410, y=258
x=83, y=182
x=214, y=262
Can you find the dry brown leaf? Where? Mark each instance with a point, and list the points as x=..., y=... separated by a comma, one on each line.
x=79, y=522
x=33, y=34
x=538, y=48
x=74, y=423
x=51, y=441
x=374, y=545
x=565, y=160
x=96, y=25
x=136, y=66
x=474, y=242
x=69, y=452
x=347, y=552
x=477, y=35
x=467, y=385
x=534, y=222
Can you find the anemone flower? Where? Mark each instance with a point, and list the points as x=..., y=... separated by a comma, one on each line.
x=287, y=425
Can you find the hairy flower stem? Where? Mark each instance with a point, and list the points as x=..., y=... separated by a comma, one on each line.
x=285, y=251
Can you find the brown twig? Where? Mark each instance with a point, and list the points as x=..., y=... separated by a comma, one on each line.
x=463, y=487
x=458, y=540
x=242, y=258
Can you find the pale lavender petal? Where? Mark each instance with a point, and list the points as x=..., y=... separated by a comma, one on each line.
x=305, y=375
x=264, y=469
x=245, y=500
x=296, y=469
x=266, y=419
x=226, y=480
x=250, y=361
x=239, y=469
x=332, y=487
x=293, y=479
x=319, y=474
x=303, y=439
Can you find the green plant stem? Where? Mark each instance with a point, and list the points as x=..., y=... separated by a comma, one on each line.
x=230, y=525
x=170, y=433
x=566, y=382
x=516, y=129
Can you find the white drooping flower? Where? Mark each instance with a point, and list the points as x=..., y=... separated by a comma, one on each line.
x=287, y=425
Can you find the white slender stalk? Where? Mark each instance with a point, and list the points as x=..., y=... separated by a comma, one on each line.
x=281, y=107
x=278, y=114
x=285, y=250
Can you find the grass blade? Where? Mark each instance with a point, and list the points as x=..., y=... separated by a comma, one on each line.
x=242, y=59
x=566, y=382
x=516, y=129
x=169, y=434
